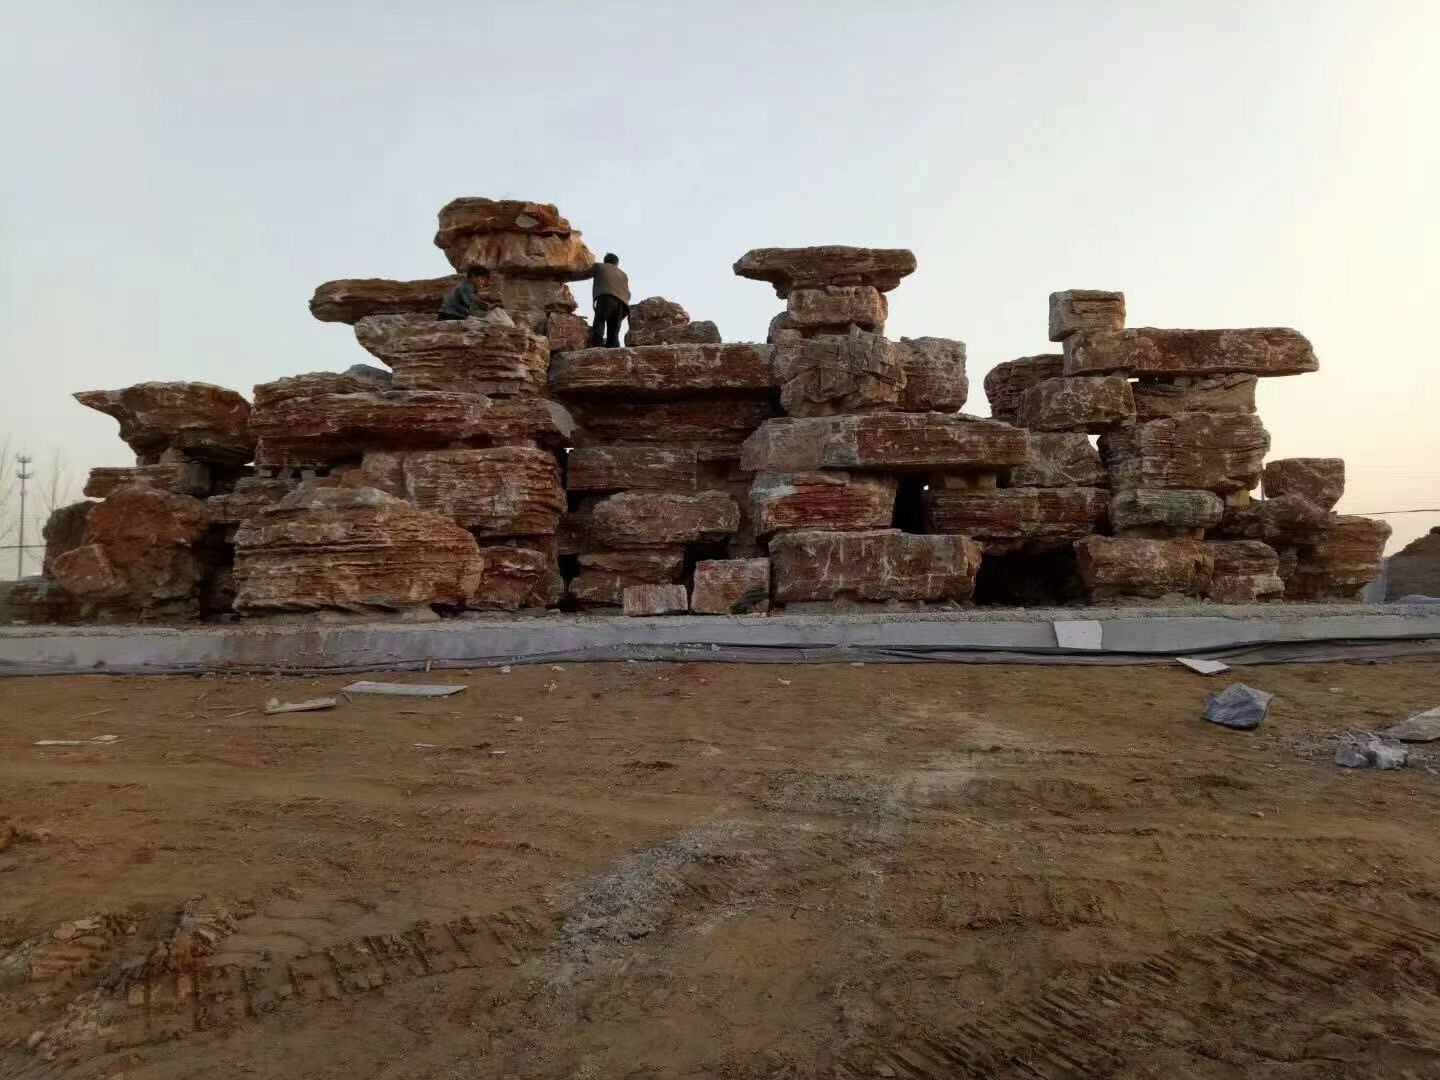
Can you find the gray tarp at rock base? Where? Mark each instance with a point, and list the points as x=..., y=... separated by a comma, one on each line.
x=1249, y=635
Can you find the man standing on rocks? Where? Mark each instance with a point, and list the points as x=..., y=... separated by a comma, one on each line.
x=468, y=300
x=612, y=301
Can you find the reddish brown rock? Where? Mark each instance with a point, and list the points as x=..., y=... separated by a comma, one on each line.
x=731, y=587
x=249, y=499
x=1009, y=520
x=512, y=574
x=641, y=520
x=1245, y=571
x=38, y=601
x=352, y=299
x=887, y=442
x=657, y=321
x=935, y=379
x=473, y=214
x=357, y=379
x=605, y=575
x=631, y=468
x=824, y=376
x=1220, y=452
x=496, y=492
x=1285, y=519
x=640, y=600
x=1414, y=570
x=1161, y=513
x=1148, y=351
x=1085, y=309
x=353, y=550
x=1319, y=481
x=705, y=422
x=1339, y=564
x=1155, y=399
x=566, y=333
x=821, y=500
x=1089, y=405
x=1125, y=566
x=883, y=564
x=836, y=308
x=658, y=372
x=178, y=477
x=465, y=356
x=816, y=267
x=1059, y=459
x=1006, y=383
x=513, y=238
x=64, y=531
x=86, y=573
x=204, y=422
x=522, y=421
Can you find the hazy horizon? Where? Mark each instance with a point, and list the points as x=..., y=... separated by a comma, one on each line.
x=183, y=176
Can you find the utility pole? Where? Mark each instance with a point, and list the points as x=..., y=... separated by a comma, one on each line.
x=23, y=475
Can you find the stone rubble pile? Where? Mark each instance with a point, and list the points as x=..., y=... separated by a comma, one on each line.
x=499, y=464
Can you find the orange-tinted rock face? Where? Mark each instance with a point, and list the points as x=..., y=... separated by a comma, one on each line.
x=657, y=321
x=1148, y=351
x=834, y=264
x=1014, y=519
x=1077, y=404
x=466, y=356
x=640, y=520
x=1123, y=566
x=1340, y=562
x=731, y=587
x=512, y=575
x=178, y=477
x=1320, y=481
x=632, y=468
x=821, y=500
x=883, y=564
x=201, y=421
x=351, y=299
x=605, y=575
x=65, y=530
x=885, y=442
x=658, y=372
x=1219, y=452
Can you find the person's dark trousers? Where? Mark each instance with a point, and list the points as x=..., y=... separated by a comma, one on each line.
x=610, y=312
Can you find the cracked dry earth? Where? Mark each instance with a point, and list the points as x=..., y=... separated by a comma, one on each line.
x=685, y=870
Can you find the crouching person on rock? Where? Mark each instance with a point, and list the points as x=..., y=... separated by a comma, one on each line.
x=612, y=301
x=472, y=298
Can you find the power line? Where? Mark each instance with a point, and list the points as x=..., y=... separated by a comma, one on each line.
x=1387, y=513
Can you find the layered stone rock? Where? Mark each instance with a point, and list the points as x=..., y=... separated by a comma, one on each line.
x=1340, y=562
x=566, y=333
x=39, y=601
x=663, y=519
x=657, y=321
x=356, y=379
x=1165, y=512
x=250, y=498
x=641, y=600
x=201, y=421
x=824, y=376
x=1221, y=452
x=659, y=372
x=605, y=575
x=731, y=587
x=466, y=356
x=633, y=468
x=1132, y=566
x=351, y=299
x=512, y=238
x=1075, y=310
x=1077, y=404
x=178, y=477
x=935, y=379
x=886, y=442
x=709, y=421
x=512, y=576
x=531, y=301
x=821, y=500
x=816, y=267
x=1319, y=481
x=353, y=550
x=1286, y=519
x=64, y=530
x=1245, y=571
x=1148, y=351
x=875, y=565
x=1156, y=398
x=1006, y=383
x=1016, y=519
x=1414, y=570
x=834, y=309
x=1059, y=459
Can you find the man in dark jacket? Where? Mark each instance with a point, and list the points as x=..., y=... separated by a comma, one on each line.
x=471, y=298
x=612, y=302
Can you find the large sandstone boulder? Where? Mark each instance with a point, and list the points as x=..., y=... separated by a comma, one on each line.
x=1075, y=310
x=1320, y=481
x=179, y=477
x=816, y=267
x=657, y=372
x=1285, y=519
x=512, y=576
x=605, y=575
x=357, y=379
x=1158, y=398
x=566, y=333
x=823, y=376
x=709, y=421
x=657, y=321
x=881, y=564
x=1414, y=570
x=1009, y=520
x=352, y=550
x=201, y=421
x=661, y=519
x=513, y=238
x=65, y=531
x=497, y=492
x=1006, y=383
x=1221, y=452
x=38, y=601
x=884, y=441
x=1245, y=571
x=1148, y=351
x=643, y=600
x=1081, y=404
x=631, y=468
x=466, y=356
x=821, y=500
x=351, y=299
x=1341, y=562
x=731, y=587
x=1059, y=459
x=834, y=309
x=1124, y=566
x=251, y=497
x=935, y=379
x=1165, y=512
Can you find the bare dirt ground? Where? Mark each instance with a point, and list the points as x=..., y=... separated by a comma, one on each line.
x=671, y=870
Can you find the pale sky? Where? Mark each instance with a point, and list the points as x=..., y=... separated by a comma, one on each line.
x=179, y=177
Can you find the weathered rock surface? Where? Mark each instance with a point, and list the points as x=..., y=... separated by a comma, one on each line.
x=1006, y=383
x=605, y=575
x=87, y=574
x=1122, y=566
x=838, y=374
x=1221, y=452
x=1016, y=519
x=658, y=372
x=513, y=238
x=816, y=267
x=496, y=492
x=1237, y=706
x=655, y=519
x=354, y=550
x=1341, y=562
x=1414, y=570
x=352, y=299
x=1085, y=309
x=512, y=574
x=657, y=321
x=836, y=308
x=566, y=332
x=1077, y=404
x=633, y=468
x=640, y=600
x=1286, y=519
x=1165, y=512
x=731, y=587
x=39, y=601
x=357, y=379
x=65, y=531
x=882, y=564
x=710, y=421
x=821, y=500
x=204, y=422
x=1245, y=571
x=890, y=442
x=1148, y=351
x=1059, y=459
x=1155, y=398
x=461, y=217
x=465, y=356
x=250, y=498
x=530, y=301
x=935, y=379
x=1320, y=481
x=179, y=477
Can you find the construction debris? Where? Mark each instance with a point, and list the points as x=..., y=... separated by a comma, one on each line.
x=275, y=706
x=1366, y=751
x=387, y=689
x=1237, y=706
